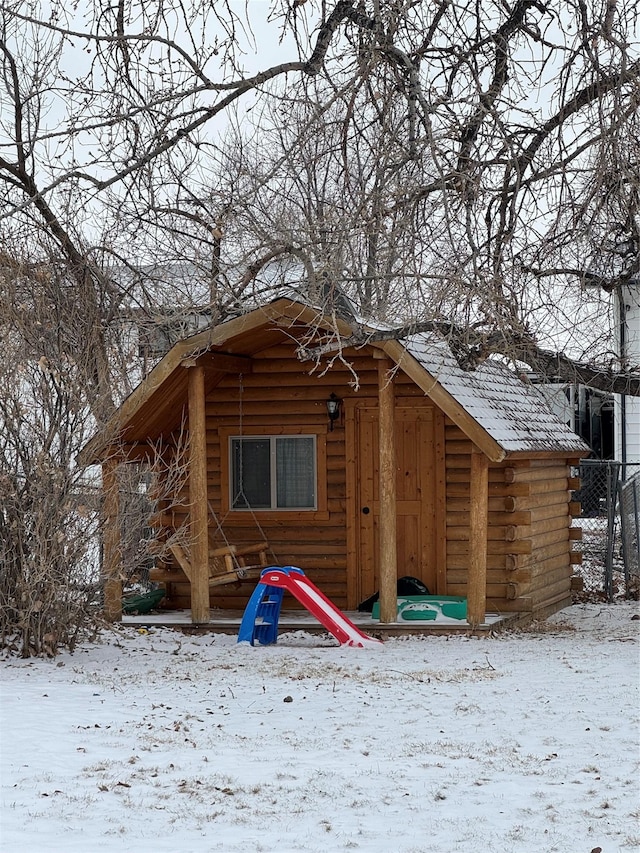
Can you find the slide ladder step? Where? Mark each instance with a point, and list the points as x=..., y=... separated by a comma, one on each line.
x=260, y=620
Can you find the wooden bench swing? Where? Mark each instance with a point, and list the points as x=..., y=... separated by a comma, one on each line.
x=228, y=563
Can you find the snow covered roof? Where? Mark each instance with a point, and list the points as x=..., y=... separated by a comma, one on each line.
x=513, y=412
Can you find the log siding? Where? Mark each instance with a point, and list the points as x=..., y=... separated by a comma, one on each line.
x=529, y=553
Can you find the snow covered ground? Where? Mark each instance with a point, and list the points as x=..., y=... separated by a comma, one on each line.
x=158, y=743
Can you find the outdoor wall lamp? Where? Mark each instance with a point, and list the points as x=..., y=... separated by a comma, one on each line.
x=333, y=409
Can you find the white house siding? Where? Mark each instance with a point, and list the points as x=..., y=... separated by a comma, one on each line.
x=629, y=408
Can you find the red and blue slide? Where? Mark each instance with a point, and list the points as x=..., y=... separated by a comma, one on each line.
x=260, y=620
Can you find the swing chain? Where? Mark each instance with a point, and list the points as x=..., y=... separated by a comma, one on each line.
x=241, y=482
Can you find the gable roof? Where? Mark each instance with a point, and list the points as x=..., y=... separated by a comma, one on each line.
x=497, y=411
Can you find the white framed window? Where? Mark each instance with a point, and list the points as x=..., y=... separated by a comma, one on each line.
x=273, y=472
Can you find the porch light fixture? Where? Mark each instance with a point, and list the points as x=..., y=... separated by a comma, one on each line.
x=333, y=409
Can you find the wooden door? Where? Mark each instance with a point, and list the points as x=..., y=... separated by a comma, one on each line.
x=416, y=497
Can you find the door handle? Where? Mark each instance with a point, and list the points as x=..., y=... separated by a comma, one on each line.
x=365, y=510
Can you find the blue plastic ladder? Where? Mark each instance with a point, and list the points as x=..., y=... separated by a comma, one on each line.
x=260, y=620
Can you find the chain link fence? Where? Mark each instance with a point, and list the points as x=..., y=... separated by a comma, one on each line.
x=609, y=495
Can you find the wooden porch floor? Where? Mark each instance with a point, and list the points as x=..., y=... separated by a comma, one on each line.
x=228, y=622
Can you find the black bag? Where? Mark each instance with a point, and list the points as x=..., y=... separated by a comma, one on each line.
x=406, y=586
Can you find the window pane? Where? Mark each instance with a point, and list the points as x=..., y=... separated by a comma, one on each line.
x=251, y=473
x=295, y=472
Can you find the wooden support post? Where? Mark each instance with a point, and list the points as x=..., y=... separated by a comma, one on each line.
x=199, y=532
x=111, y=542
x=388, y=555
x=478, y=522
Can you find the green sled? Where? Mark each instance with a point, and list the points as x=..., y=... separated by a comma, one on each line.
x=142, y=602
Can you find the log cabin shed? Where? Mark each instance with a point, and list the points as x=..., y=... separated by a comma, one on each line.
x=460, y=478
